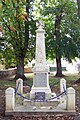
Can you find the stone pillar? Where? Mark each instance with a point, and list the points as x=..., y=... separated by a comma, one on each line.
x=10, y=99
x=70, y=100
x=40, y=78
x=62, y=85
x=40, y=56
x=19, y=86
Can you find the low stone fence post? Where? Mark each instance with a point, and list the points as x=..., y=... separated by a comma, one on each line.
x=70, y=100
x=10, y=99
x=19, y=86
x=62, y=85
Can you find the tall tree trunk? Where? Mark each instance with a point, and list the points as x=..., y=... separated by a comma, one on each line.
x=20, y=67
x=78, y=3
x=59, y=67
x=58, y=45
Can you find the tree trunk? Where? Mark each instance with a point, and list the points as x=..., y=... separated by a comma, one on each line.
x=78, y=3
x=59, y=67
x=20, y=68
x=58, y=45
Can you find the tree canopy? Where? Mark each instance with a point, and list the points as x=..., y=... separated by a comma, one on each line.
x=61, y=20
x=16, y=22
x=62, y=28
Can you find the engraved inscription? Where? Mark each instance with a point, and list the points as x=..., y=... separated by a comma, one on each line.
x=40, y=95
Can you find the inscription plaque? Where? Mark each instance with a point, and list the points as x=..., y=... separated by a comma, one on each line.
x=40, y=95
x=40, y=80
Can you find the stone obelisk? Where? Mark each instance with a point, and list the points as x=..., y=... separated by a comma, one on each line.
x=40, y=86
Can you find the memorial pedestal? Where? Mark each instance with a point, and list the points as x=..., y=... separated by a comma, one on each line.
x=40, y=86
x=40, y=81
x=40, y=91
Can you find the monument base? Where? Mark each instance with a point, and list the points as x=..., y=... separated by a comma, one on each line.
x=44, y=92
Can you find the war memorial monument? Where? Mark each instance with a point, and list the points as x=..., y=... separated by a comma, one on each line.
x=40, y=98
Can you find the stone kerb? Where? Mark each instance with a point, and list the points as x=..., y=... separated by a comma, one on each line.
x=70, y=100
x=19, y=86
x=10, y=99
x=62, y=85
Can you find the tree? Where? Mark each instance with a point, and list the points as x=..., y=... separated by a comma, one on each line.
x=62, y=28
x=78, y=3
x=15, y=21
x=58, y=48
x=78, y=67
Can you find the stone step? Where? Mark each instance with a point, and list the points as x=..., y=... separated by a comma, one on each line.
x=39, y=103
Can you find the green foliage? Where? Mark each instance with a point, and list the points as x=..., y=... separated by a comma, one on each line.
x=69, y=42
x=16, y=21
x=7, y=56
x=13, y=22
x=13, y=18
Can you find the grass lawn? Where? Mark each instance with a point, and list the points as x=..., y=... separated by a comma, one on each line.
x=52, y=79
x=6, y=83
x=70, y=78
